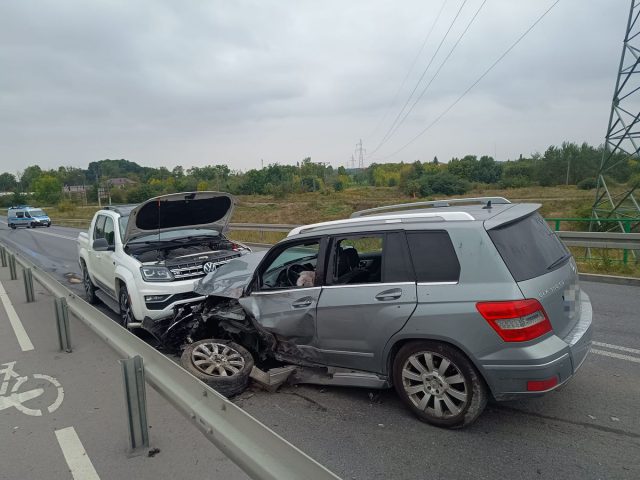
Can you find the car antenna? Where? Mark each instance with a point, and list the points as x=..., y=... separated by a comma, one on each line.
x=488, y=205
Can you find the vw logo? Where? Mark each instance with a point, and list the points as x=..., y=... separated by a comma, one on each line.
x=209, y=267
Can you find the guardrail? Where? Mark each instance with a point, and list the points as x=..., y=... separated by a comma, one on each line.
x=256, y=449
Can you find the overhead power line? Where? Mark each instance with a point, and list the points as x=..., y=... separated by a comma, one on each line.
x=406, y=77
x=476, y=82
x=393, y=124
x=406, y=114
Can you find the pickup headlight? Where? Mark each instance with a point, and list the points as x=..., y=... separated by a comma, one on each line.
x=156, y=274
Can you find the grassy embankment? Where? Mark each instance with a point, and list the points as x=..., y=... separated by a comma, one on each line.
x=564, y=202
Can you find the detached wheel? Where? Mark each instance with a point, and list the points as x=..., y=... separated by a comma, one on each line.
x=223, y=365
x=89, y=287
x=126, y=313
x=439, y=384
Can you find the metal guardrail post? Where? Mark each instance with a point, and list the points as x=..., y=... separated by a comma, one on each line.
x=135, y=399
x=62, y=324
x=3, y=256
x=27, y=276
x=12, y=266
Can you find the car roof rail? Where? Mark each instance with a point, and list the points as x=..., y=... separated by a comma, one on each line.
x=122, y=209
x=385, y=219
x=487, y=201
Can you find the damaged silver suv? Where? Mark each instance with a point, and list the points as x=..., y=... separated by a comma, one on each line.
x=449, y=302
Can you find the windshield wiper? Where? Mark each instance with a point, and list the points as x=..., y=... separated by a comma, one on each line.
x=559, y=261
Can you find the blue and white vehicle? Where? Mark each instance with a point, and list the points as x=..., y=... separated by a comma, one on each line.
x=27, y=216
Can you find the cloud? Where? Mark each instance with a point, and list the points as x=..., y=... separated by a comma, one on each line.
x=163, y=82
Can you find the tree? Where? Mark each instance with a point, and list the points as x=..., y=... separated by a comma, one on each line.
x=29, y=177
x=48, y=189
x=8, y=182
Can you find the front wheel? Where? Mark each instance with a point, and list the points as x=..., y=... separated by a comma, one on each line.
x=223, y=365
x=439, y=384
x=33, y=224
x=126, y=313
x=89, y=287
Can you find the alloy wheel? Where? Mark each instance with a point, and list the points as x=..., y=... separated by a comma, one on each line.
x=217, y=359
x=434, y=384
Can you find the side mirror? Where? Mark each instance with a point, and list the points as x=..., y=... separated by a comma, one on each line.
x=101, y=245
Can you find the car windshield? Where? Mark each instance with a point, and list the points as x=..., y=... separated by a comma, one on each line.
x=37, y=213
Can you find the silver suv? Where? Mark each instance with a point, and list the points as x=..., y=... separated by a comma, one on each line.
x=450, y=302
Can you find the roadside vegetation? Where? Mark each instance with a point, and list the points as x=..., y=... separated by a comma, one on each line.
x=562, y=179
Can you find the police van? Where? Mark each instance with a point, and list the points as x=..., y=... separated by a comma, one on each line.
x=27, y=216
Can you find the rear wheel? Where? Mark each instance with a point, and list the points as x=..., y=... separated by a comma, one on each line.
x=439, y=384
x=223, y=365
x=13, y=227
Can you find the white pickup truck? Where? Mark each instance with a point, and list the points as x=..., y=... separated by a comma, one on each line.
x=143, y=260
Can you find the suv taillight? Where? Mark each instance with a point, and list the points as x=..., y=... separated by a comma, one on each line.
x=517, y=320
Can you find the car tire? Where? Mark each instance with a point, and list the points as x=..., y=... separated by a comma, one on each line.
x=89, y=287
x=48, y=224
x=439, y=384
x=219, y=356
x=13, y=227
x=33, y=224
x=126, y=312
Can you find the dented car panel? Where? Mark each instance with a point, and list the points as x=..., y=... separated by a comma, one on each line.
x=230, y=279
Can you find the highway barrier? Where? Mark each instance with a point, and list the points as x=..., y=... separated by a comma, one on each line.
x=256, y=449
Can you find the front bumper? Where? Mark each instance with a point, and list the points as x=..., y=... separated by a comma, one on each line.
x=168, y=296
x=552, y=357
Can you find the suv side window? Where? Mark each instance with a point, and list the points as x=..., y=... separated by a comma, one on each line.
x=294, y=266
x=98, y=230
x=20, y=214
x=109, y=233
x=433, y=255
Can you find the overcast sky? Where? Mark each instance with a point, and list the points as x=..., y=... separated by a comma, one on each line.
x=164, y=83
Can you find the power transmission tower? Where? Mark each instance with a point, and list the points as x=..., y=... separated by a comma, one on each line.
x=360, y=153
x=623, y=135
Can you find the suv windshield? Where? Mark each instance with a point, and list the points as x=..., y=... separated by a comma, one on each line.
x=529, y=247
x=37, y=213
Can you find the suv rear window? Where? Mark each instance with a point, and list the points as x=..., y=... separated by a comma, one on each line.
x=529, y=247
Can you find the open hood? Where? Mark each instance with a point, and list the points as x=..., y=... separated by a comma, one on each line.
x=177, y=211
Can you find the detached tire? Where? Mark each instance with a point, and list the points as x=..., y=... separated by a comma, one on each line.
x=439, y=384
x=223, y=365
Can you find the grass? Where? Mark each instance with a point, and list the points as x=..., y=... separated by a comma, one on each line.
x=561, y=201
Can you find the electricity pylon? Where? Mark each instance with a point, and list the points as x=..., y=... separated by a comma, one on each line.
x=623, y=136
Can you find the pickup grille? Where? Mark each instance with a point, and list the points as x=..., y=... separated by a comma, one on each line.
x=184, y=271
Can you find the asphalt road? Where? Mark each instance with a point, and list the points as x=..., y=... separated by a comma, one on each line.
x=589, y=429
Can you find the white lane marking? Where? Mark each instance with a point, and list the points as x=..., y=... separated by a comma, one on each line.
x=53, y=234
x=75, y=455
x=616, y=347
x=616, y=355
x=14, y=320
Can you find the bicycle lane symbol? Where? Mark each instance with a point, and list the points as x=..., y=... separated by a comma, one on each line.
x=10, y=396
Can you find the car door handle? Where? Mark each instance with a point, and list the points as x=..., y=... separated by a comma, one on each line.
x=393, y=294
x=303, y=302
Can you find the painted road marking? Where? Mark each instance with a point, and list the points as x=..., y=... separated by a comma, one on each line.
x=17, y=399
x=14, y=320
x=616, y=355
x=76, y=456
x=616, y=347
